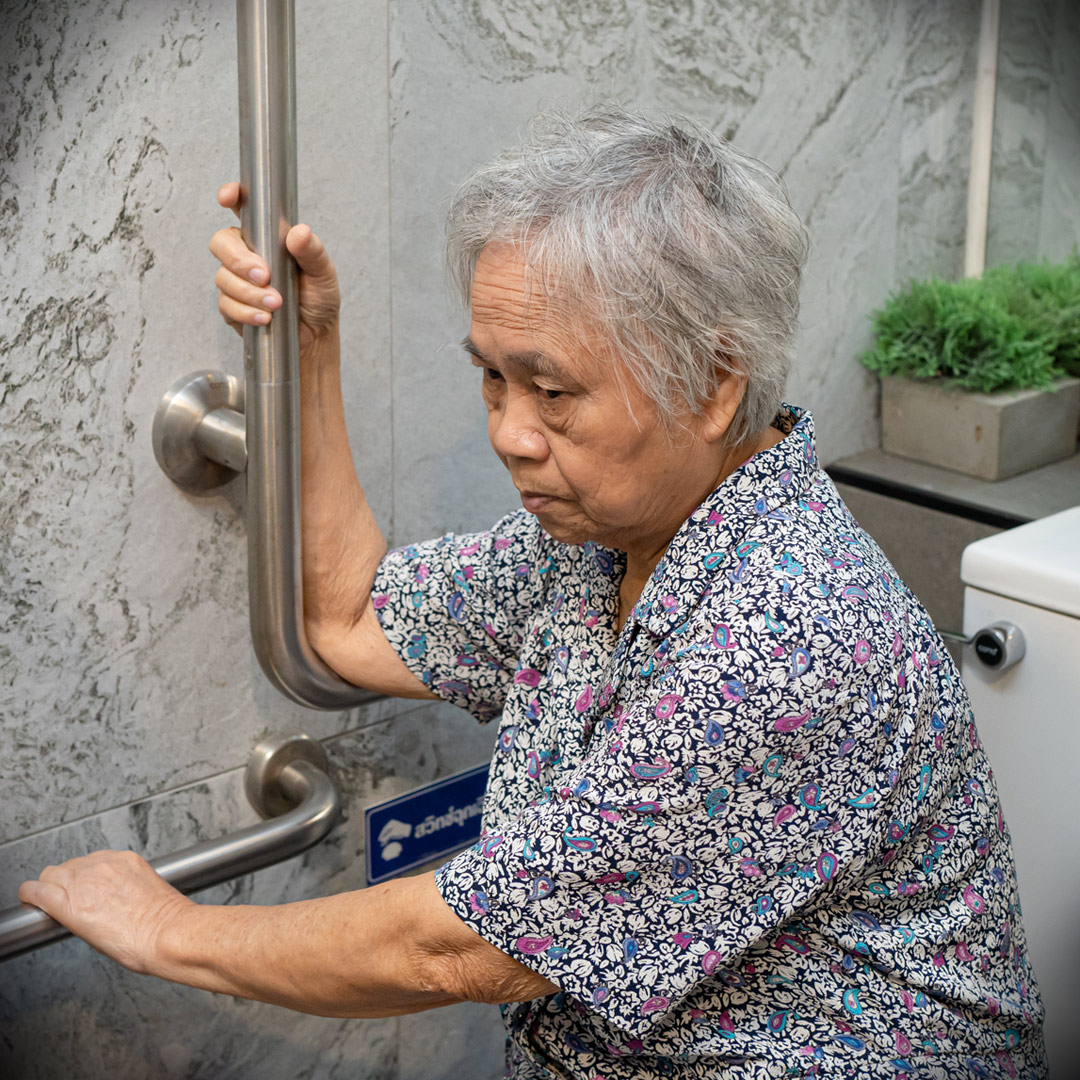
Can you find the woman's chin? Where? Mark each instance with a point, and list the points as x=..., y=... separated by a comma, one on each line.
x=566, y=530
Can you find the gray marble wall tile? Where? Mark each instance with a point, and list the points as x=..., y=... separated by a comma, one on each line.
x=1059, y=228
x=343, y=161
x=935, y=151
x=451, y=1044
x=824, y=95
x=114, y=1024
x=1021, y=105
x=124, y=648
x=843, y=176
x=1035, y=190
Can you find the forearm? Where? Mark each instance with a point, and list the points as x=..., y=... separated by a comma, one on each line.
x=355, y=954
x=342, y=544
x=391, y=949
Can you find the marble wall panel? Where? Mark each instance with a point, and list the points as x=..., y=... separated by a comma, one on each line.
x=1034, y=192
x=449, y=1044
x=935, y=150
x=343, y=163
x=861, y=108
x=1021, y=105
x=123, y=640
x=66, y=1011
x=843, y=176
x=1059, y=226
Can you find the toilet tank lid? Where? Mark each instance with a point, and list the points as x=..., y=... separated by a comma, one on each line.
x=1037, y=563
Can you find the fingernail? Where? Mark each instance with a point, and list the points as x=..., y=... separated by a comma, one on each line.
x=258, y=275
x=271, y=300
x=262, y=317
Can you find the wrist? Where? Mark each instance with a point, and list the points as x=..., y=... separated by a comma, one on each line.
x=322, y=351
x=174, y=951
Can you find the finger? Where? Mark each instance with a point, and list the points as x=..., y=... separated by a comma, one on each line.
x=234, y=312
x=58, y=875
x=307, y=249
x=244, y=292
x=228, y=247
x=229, y=196
x=51, y=898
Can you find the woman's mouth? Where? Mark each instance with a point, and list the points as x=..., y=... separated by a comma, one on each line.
x=536, y=501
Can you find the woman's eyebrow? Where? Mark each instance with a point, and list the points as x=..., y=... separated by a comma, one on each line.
x=472, y=350
x=535, y=362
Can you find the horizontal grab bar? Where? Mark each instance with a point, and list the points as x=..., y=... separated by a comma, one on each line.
x=284, y=771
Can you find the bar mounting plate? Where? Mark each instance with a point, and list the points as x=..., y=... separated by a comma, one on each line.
x=268, y=759
x=177, y=422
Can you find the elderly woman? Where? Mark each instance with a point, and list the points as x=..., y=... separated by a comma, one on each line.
x=739, y=822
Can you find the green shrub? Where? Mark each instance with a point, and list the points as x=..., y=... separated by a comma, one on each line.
x=1016, y=327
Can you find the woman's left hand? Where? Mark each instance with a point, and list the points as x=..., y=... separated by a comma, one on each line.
x=112, y=899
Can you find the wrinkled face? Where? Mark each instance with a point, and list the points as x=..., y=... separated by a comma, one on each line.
x=559, y=421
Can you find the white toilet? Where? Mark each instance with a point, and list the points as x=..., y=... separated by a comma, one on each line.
x=1024, y=681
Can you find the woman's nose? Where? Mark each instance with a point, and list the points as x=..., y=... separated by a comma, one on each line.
x=514, y=431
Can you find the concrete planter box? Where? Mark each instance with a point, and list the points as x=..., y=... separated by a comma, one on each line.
x=991, y=436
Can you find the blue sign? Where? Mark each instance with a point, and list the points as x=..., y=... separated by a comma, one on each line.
x=421, y=826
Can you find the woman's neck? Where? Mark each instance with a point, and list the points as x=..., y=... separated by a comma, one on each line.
x=642, y=561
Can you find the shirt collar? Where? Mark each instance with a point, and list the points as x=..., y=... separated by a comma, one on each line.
x=709, y=542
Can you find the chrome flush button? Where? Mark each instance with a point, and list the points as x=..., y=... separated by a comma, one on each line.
x=999, y=646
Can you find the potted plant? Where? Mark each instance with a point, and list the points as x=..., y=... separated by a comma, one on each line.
x=979, y=375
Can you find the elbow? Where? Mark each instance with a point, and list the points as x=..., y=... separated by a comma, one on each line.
x=333, y=617
x=452, y=975
x=475, y=978
x=330, y=642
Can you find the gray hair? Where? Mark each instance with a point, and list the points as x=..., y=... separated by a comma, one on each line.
x=683, y=249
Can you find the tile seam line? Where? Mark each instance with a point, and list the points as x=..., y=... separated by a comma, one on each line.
x=166, y=792
x=392, y=530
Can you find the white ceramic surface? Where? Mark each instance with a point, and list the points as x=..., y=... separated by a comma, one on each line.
x=1028, y=721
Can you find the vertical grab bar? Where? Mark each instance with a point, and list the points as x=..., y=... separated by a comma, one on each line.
x=207, y=424
x=266, y=78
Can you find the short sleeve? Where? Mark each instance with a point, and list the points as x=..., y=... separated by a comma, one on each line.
x=456, y=608
x=710, y=811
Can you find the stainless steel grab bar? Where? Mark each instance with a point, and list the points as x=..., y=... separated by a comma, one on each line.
x=286, y=777
x=266, y=76
x=197, y=424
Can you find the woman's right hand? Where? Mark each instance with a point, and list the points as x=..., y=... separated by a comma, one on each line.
x=245, y=296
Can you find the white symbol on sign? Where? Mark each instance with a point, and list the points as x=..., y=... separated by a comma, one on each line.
x=390, y=834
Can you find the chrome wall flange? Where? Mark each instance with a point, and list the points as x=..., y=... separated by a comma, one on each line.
x=263, y=774
x=199, y=430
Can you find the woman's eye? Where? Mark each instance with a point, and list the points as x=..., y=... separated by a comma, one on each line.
x=493, y=373
x=550, y=395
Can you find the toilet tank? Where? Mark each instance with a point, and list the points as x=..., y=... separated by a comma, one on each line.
x=1029, y=720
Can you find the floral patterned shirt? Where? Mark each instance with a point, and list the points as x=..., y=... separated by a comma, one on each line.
x=753, y=834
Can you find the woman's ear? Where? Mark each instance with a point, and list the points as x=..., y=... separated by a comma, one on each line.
x=720, y=408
